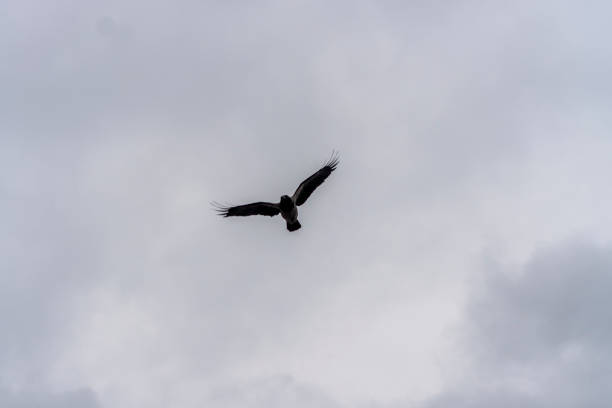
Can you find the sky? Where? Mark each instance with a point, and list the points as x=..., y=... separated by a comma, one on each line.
x=460, y=255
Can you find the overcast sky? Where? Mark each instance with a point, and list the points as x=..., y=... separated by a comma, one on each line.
x=459, y=257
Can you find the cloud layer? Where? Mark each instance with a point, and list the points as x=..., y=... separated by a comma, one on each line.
x=459, y=255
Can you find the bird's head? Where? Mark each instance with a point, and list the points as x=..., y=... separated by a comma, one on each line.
x=286, y=202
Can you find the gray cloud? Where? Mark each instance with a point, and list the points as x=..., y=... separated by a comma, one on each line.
x=540, y=337
x=277, y=391
x=83, y=398
x=557, y=300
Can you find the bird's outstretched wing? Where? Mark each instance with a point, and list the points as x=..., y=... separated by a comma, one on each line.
x=309, y=185
x=259, y=208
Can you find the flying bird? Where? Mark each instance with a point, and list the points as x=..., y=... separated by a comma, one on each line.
x=287, y=207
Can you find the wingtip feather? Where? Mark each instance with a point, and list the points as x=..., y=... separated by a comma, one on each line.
x=333, y=160
x=221, y=210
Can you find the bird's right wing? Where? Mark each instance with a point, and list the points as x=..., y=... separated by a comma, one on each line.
x=259, y=208
x=306, y=187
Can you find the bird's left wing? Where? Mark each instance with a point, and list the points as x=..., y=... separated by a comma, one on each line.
x=309, y=185
x=259, y=208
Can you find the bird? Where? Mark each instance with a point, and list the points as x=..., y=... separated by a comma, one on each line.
x=287, y=206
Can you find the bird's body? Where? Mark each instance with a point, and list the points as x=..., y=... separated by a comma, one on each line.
x=287, y=207
x=289, y=212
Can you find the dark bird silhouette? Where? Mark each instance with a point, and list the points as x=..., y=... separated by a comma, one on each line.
x=287, y=207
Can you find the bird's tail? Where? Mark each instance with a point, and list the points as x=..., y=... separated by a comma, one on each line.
x=295, y=225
